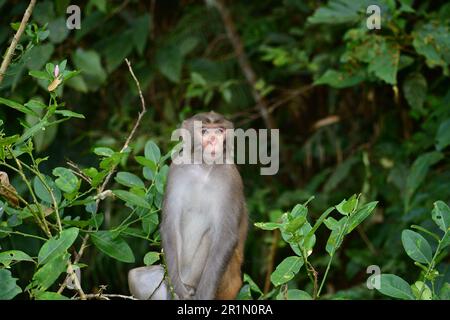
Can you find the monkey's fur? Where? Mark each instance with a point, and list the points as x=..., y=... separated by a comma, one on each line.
x=204, y=225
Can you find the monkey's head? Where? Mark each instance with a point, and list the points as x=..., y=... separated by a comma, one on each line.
x=208, y=133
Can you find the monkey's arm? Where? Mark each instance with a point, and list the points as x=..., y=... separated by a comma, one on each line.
x=215, y=264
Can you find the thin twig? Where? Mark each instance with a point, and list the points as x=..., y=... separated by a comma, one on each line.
x=101, y=296
x=15, y=40
x=111, y=172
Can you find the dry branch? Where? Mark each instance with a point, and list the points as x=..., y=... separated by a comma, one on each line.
x=15, y=40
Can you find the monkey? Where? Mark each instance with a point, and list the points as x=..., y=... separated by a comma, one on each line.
x=204, y=216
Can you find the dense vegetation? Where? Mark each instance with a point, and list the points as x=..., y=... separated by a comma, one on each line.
x=364, y=115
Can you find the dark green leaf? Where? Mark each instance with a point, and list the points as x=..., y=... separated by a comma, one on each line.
x=286, y=270
x=394, y=286
x=116, y=248
x=56, y=246
x=132, y=198
x=8, y=287
x=416, y=246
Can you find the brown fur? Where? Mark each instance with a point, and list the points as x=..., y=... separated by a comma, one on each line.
x=231, y=281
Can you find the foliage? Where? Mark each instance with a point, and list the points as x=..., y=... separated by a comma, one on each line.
x=361, y=111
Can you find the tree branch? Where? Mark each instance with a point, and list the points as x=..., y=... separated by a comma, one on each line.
x=15, y=40
x=243, y=61
x=111, y=172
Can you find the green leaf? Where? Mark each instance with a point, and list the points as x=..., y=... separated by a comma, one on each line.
x=104, y=152
x=151, y=257
x=418, y=172
x=341, y=172
x=6, y=257
x=70, y=114
x=169, y=62
x=338, y=11
x=294, y=224
x=152, y=151
x=56, y=246
x=268, y=225
x=347, y=206
x=443, y=135
x=416, y=246
x=17, y=106
x=432, y=41
x=319, y=222
x=394, y=286
x=131, y=198
x=286, y=270
x=253, y=286
x=360, y=215
x=8, y=287
x=58, y=30
x=441, y=215
x=116, y=248
x=45, y=295
x=129, y=180
x=385, y=63
x=415, y=90
x=89, y=63
x=41, y=75
x=421, y=290
x=141, y=26
x=335, y=238
x=294, y=294
x=42, y=192
x=66, y=181
x=340, y=79
x=50, y=272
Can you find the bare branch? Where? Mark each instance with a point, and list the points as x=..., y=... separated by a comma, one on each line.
x=16, y=39
x=111, y=172
x=243, y=61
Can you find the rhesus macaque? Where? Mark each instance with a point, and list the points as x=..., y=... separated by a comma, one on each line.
x=204, y=218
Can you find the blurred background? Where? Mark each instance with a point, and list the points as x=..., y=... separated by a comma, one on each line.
x=356, y=107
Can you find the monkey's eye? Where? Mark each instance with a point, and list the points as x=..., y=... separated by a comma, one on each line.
x=220, y=130
x=204, y=130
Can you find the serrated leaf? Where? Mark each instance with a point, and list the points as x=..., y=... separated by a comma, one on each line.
x=415, y=90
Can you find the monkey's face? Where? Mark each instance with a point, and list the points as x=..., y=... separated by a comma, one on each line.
x=213, y=139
